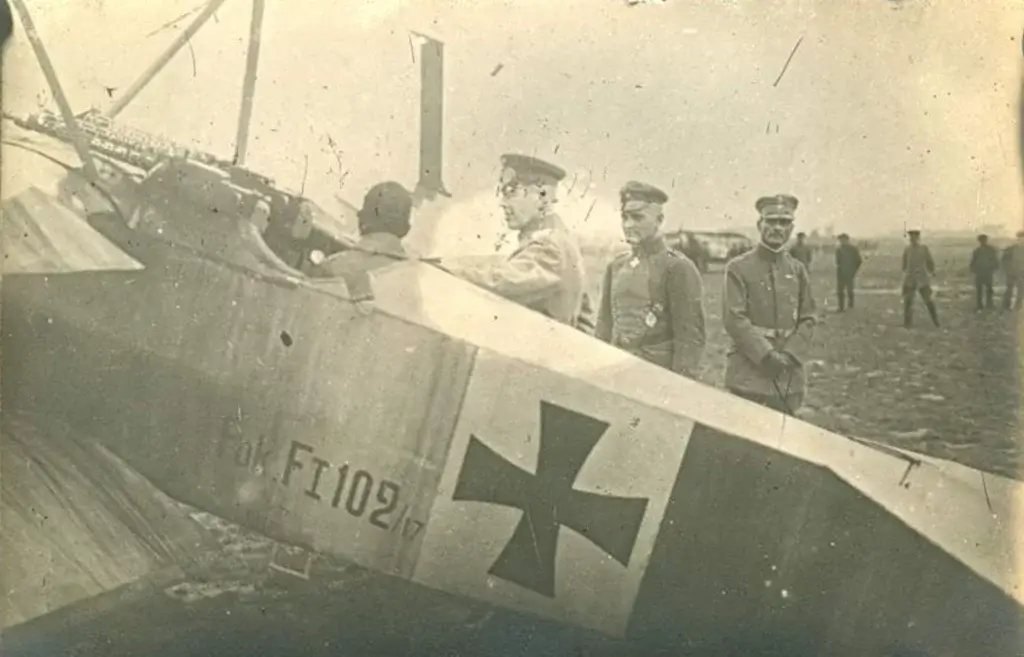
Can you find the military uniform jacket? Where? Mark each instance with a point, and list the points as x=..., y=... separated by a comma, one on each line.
x=1013, y=262
x=373, y=251
x=984, y=260
x=652, y=305
x=545, y=273
x=766, y=305
x=918, y=266
x=848, y=261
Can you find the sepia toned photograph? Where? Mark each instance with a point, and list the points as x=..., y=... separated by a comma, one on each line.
x=579, y=328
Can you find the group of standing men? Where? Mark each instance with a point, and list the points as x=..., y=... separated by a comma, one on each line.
x=652, y=297
x=848, y=262
x=986, y=261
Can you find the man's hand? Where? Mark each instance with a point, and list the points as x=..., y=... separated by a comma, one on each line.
x=776, y=363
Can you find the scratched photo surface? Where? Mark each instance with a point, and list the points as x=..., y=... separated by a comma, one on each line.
x=589, y=327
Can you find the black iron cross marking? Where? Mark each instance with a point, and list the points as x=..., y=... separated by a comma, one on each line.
x=548, y=500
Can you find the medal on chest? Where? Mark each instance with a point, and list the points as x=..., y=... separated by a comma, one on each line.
x=652, y=315
x=634, y=262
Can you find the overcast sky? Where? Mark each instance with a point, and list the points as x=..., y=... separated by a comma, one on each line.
x=889, y=111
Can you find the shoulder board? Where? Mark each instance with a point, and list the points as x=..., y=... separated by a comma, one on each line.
x=681, y=257
x=543, y=233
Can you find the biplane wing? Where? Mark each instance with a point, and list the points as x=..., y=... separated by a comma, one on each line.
x=444, y=436
x=77, y=522
x=440, y=436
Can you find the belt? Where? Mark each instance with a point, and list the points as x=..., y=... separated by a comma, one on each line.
x=770, y=333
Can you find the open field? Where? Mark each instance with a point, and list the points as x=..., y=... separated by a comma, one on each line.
x=952, y=392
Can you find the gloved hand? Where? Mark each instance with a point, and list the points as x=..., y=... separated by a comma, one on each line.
x=776, y=362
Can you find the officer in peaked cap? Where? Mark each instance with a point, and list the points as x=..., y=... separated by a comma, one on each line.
x=918, y=268
x=520, y=169
x=768, y=310
x=638, y=196
x=545, y=272
x=652, y=298
x=779, y=206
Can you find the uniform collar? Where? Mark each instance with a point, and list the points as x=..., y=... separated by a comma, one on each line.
x=385, y=243
x=650, y=246
x=545, y=222
x=768, y=255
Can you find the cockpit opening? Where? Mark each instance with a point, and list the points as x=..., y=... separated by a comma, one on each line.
x=189, y=202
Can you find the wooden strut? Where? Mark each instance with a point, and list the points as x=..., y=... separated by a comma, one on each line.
x=79, y=140
x=431, y=102
x=249, y=84
x=161, y=61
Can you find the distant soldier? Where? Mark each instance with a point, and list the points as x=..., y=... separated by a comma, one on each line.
x=801, y=251
x=1013, y=268
x=918, y=268
x=984, y=264
x=848, y=262
x=652, y=298
x=768, y=311
x=384, y=220
x=545, y=273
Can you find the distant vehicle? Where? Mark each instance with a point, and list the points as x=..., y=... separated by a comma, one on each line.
x=686, y=243
x=706, y=247
x=739, y=247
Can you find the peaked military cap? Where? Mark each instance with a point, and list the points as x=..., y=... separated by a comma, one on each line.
x=635, y=195
x=527, y=170
x=780, y=206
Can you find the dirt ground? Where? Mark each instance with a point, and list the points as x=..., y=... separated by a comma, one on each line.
x=952, y=392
